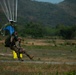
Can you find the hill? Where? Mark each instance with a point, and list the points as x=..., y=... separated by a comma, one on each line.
x=47, y=14
x=69, y=6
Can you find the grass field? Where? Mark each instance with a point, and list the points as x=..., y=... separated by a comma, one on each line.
x=21, y=68
x=43, y=50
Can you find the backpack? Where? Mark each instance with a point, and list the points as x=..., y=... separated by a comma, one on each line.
x=7, y=41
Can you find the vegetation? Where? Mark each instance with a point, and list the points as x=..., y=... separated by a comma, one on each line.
x=40, y=20
x=32, y=29
x=44, y=13
x=60, y=53
x=67, y=32
x=36, y=30
x=20, y=68
x=43, y=20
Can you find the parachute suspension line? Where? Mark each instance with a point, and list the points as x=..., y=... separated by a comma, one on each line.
x=13, y=7
x=4, y=8
x=16, y=10
x=10, y=9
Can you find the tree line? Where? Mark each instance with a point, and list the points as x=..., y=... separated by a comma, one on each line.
x=36, y=30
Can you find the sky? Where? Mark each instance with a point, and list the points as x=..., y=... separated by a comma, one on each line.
x=52, y=1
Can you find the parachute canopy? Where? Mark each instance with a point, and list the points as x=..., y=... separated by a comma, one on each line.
x=10, y=9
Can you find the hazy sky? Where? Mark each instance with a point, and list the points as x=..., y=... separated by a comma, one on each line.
x=52, y=1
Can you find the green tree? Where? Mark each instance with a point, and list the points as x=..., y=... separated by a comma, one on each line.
x=67, y=32
x=34, y=30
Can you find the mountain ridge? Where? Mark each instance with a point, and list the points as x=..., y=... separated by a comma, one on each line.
x=47, y=14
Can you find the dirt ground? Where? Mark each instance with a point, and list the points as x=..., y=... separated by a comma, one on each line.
x=45, y=50
x=51, y=57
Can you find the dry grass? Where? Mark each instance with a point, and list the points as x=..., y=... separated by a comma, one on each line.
x=43, y=50
x=22, y=68
x=43, y=42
